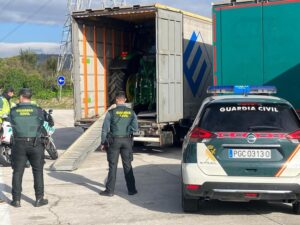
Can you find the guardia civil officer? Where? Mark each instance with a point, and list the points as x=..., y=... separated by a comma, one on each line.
x=8, y=94
x=27, y=121
x=118, y=126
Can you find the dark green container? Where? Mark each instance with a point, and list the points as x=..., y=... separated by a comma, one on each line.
x=258, y=44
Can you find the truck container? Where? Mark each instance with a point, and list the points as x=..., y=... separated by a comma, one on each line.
x=258, y=43
x=161, y=57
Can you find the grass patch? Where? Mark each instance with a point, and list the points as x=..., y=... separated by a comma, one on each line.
x=66, y=102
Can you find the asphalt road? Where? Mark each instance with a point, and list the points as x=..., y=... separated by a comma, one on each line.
x=74, y=199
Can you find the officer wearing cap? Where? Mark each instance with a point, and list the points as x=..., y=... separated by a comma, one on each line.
x=27, y=121
x=118, y=126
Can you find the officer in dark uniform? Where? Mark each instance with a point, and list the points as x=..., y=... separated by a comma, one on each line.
x=118, y=126
x=27, y=121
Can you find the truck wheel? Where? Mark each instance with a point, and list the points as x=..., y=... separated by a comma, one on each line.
x=296, y=208
x=51, y=149
x=189, y=205
x=116, y=83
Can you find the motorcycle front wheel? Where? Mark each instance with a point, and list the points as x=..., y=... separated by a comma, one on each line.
x=5, y=156
x=51, y=149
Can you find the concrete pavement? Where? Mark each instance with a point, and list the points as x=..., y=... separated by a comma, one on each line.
x=74, y=199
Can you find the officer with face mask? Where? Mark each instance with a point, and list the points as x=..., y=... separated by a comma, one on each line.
x=27, y=121
x=118, y=126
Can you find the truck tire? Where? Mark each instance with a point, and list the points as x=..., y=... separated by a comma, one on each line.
x=188, y=205
x=116, y=83
x=51, y=149
x=296, y=208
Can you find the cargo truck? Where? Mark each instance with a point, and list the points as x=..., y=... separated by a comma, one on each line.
x=161, y=57
x=258, y=43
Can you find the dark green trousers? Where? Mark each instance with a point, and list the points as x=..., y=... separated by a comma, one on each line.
x=119, y=146
x=22, y=151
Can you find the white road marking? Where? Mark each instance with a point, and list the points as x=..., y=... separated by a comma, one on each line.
x=4, y=208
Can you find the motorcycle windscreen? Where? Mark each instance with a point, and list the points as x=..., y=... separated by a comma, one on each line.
x=169, y=76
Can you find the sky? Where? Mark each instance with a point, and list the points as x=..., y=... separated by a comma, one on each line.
x=38, y=24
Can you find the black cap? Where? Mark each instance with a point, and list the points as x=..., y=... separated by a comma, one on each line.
x=121, y=94
x=9, y=89
x=26, y=93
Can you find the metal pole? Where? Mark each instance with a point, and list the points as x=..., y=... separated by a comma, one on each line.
x=60, y=89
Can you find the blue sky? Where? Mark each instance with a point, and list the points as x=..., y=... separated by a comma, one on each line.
x=38, y=24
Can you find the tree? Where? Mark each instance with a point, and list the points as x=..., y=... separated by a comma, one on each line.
x=51, y=65
x=28, y=57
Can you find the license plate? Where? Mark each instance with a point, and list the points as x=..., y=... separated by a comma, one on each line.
x=249, y=153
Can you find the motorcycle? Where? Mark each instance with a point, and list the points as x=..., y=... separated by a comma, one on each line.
x=5, y=144
x=6, y=141
x=47, y=138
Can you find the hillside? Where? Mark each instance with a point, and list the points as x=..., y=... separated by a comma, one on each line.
x=37, y=72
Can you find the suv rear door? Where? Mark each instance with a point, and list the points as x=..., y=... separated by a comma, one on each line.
x=252, y=138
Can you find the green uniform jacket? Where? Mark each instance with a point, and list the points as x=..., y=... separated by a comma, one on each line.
x=26, y=120
x=121, y=121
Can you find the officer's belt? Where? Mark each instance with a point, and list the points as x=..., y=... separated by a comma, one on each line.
x=126, y=136
x=27, y=139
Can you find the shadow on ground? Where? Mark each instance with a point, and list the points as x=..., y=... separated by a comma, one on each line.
x=159, y=189
x=76, y=179
x=63, y=141
x=6, y=189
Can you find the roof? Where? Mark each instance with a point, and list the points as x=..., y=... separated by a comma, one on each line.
x=226, y=2
x=160, y=6
x=133, y=10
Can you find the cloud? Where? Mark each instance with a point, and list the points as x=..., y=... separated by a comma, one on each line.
x=13, y=49
x=33, y=11
x=54, y=11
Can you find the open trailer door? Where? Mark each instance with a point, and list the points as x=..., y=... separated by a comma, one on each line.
x=169, y=66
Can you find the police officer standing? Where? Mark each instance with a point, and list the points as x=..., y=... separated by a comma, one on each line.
x=27, y=121
x=118, y=126
x=8, y=94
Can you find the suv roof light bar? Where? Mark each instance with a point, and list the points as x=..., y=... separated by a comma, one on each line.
x=241, y=89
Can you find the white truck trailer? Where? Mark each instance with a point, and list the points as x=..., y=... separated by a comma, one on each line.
x=166, y=84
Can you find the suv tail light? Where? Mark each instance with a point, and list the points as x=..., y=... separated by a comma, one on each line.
x=192, y=186
x=294, y=135
x=199, y=133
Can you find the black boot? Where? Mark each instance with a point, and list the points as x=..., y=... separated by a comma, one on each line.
x=106, y=193
x=132, y=192
x=40, y=202
x=15, y=203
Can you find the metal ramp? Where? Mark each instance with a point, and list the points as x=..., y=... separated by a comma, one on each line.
x=88, y=142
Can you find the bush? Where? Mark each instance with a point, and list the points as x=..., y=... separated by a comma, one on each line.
x=26, y=70
x=45, y=94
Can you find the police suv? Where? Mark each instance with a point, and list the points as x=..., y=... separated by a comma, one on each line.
x=243, y=145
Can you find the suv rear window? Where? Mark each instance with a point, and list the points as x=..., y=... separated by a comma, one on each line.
x=241, y=117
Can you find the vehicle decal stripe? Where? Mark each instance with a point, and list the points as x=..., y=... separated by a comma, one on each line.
x=104, y=68
x=283, y=167
x=245, y=134
x=113, y=43
x=191, y=60
x=85, y=74
x=95, y=71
